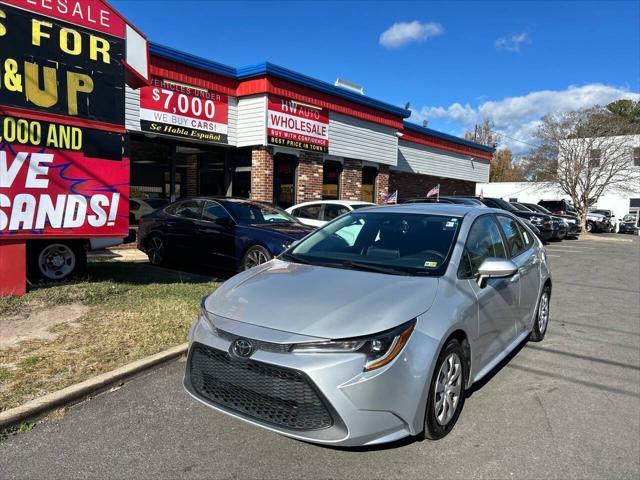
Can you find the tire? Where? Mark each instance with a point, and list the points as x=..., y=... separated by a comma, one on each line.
x=56, y=261
x=541, y=323
x=439, y=420
x=590, y=227
x=156, y=250
x=255, y=256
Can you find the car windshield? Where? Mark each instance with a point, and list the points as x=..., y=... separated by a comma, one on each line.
x=255, y=213
x=539, y=208
x=505, y=205
x=382, y=242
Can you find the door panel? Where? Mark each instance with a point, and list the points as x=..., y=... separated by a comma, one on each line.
x=523, y=255
x=498, y=301
x=216, y=242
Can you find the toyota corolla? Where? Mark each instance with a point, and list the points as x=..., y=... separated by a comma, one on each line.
x=372, y=328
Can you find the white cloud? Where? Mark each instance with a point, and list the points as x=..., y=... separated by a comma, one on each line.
x=519, y=117
x=402, y=33
x=512, y=43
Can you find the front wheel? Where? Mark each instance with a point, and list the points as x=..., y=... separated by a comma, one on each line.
x=542, y=316
x=590, y=227
x=255, y=256
x=156, y=250
x=447, y=391
x=56, y=261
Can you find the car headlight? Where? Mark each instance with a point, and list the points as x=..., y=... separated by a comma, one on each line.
x=379, y=349
x=536, y=219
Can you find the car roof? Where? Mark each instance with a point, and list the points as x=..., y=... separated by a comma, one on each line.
x=333, y=202
x=454, y=210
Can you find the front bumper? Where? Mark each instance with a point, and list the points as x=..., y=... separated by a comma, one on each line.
x=349, y=407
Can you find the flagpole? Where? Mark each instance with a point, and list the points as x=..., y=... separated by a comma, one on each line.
x=438, y=199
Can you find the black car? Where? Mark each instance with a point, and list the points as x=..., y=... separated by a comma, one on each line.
x=609, y=216
x=629, y=224
x=224, y=232
x=558, y=207
x=544, y=223
x=575, y=228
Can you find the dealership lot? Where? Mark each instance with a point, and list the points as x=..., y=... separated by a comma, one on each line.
x=568, y=407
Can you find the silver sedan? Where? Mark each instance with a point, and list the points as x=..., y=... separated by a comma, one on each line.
x=372, y=328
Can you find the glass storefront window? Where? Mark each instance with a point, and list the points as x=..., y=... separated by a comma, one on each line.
x=284, y=172
x=331, y=180
x=368, y=191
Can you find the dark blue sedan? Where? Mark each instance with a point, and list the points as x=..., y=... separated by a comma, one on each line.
x=219, y=231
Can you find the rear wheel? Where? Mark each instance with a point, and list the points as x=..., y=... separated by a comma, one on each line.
x=447, y=391
x=255, y=256
x=542, y=316
x=56, y=261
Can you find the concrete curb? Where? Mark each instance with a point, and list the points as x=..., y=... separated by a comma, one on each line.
x=73, y=392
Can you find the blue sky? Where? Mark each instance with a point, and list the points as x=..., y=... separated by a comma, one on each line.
x=456, y=62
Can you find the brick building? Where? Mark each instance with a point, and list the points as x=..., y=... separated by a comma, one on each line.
x=275, y=135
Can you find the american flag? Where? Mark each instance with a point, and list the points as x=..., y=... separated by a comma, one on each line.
x=481, y=194
x=390, y=198
x=434, y=191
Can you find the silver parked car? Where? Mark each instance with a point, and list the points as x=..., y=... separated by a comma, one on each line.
x=368, y=338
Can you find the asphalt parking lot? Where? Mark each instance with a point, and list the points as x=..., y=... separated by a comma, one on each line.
x=565, y=408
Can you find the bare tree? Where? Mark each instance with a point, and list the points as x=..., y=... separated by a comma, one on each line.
x=592, y=155
x=483, y=133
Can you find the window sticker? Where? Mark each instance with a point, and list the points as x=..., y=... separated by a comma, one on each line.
x=431, y=264
x=451, y=224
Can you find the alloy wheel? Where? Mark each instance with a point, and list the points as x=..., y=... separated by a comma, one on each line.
x=56, y=261
x=255, y=257
x=543, y=313
x=448, y=388
x=156, y=250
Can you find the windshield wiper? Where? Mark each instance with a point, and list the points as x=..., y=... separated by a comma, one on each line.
x=295, y=258
x=373, y=268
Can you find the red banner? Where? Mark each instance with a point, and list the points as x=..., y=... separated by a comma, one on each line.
x=59, y=193
x=170, y=108
x=93, y=14
x=297, y=125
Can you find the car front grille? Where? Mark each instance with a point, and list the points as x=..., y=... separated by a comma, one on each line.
x=257, y=344
x=274, y=395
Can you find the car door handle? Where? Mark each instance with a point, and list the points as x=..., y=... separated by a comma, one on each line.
x=516, y=277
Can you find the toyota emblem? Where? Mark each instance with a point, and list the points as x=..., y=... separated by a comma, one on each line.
x=242, y=348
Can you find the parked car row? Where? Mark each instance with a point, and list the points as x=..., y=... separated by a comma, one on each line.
x=548, y=226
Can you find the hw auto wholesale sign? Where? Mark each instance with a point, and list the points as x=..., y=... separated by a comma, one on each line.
x=297, y=125
x=62, y=77
x=179, y=110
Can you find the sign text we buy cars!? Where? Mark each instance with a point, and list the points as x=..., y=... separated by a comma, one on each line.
x=62, y=82
x=297, y=125
x=174, y=109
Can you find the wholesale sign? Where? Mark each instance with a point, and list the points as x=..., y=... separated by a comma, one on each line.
x=180, y=110
x=297, y=125
x=62, y=82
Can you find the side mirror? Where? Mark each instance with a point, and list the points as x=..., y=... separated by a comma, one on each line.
x=495, y=268
x=223, y=221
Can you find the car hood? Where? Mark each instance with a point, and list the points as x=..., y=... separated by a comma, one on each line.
x=294, y=231
x=321, y=301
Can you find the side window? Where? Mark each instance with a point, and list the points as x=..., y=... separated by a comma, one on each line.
x=483, y=241
x=312, y=212
x=332, y=211
x=188, y=209
x=528, y=239
x=513, y=234
x=213, y=211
